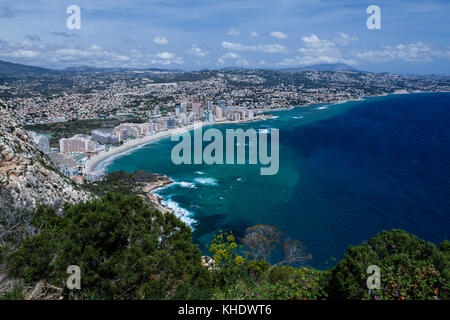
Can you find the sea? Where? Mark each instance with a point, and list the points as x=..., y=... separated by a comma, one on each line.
x=347, y=172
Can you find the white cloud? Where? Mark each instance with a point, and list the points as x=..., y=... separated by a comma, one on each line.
x=93, y=54
x=63, y=34
x=24, y=54
x=196, y=51
x=165, y=55
x=343, y=39
x=278, y=35
x=236, y=46
x=317, y=51
x=273, y=48
x=160, y=40
x=267, y=48
x=69, y=54
x=233, y=32
x=166, y=58
x=234, y=57
x=166, y=62
x=254, y=34
x=413, y=52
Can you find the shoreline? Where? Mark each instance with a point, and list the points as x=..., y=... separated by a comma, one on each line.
x=152, y=191
x=185, y=215
x=91, y=164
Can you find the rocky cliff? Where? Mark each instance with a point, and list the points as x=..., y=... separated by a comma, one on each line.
x=27, y=177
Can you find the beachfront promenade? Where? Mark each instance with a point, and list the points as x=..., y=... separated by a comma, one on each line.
x=93, y=162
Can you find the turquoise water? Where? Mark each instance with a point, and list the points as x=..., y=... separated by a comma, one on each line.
x=47, y=135
x=347, y=171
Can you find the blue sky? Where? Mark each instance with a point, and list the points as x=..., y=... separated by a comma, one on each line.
x=414, y=35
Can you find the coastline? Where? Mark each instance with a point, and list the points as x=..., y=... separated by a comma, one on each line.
x=91, y=164
x=152, y=191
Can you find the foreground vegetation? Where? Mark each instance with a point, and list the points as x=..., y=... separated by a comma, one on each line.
x=125, y=250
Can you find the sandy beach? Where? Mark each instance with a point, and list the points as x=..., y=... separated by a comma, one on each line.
x=93, y=162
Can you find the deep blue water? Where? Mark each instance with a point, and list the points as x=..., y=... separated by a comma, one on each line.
x=347, y=171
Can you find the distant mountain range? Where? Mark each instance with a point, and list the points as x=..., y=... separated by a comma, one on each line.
x=16, y=68
x=322, y=67
x=317, y=67
x=95, y=69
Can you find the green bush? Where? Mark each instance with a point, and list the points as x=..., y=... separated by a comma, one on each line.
x=127, y=251
x=16, y=293
x=289, y=283
x=410, y=268
x=228, y=264
x=124, y=251
x=256, y=269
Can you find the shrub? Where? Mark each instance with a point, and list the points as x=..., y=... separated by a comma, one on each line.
x=289, y=283
x=228, y=263
x=410, y=269
x=124, y=251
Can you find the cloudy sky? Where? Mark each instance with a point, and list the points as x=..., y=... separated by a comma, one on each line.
x=196, y=34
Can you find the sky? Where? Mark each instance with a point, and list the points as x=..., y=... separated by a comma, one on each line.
x=197, y=34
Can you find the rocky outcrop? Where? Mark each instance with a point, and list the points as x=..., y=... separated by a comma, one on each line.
x=27, y=177
x=149, y=187
x=209, y=263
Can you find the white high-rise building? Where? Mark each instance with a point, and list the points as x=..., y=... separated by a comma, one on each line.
x=42, y=143
x=219, y=113
x=77, y=144
x=223, y=106
x=196, y=108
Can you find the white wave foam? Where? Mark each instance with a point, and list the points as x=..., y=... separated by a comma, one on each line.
x=206, y=181
x=199, y=172
x=185, y=184
x=183, y=214
x=321, y=108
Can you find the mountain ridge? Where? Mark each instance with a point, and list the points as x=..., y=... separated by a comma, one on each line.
x=27, y=176
x=16, y=68
x=334, y=67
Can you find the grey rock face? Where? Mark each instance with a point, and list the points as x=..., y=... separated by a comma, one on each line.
x=27, y=177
